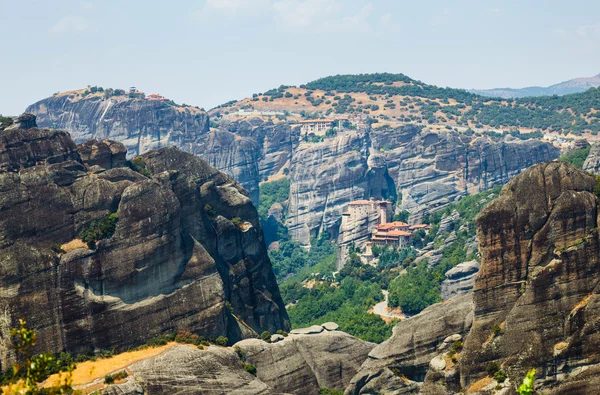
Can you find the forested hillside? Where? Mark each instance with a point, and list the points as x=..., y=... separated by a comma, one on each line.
x=397, y=98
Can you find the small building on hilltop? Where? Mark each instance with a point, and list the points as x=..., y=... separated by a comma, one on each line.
x=156, y=97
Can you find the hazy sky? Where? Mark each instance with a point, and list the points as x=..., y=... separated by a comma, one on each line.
x=207, y=52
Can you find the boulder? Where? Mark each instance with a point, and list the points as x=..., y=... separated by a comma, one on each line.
x=302, y=364
x=459, y=279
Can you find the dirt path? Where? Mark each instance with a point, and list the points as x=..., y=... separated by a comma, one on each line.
x=384, y=311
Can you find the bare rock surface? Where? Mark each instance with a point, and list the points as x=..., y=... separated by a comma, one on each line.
x=459, y=279
x=303, y=363
x=399, y=365
x=169, y=265
x=187, y=370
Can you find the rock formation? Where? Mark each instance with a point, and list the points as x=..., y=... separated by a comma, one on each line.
x=459, y=279
x=592, y=162
x=427, y=170
x=141, y=125
x=539, y=281
x=187, y=241
x=308, y=359
x=186, y=370
x=535, y=301
x=399, y=365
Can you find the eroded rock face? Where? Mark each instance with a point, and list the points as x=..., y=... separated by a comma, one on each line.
x=459, y=279
x=307, y=360
x=592, y=162
x=171, y=263
x=539, y=281
x=140, y=124
x=428, y=169
x=186, y=370
x=399, y=365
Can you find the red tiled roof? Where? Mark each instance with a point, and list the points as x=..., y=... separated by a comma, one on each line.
x=359, y=202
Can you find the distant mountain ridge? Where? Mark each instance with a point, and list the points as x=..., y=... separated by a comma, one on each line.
x=576, y=85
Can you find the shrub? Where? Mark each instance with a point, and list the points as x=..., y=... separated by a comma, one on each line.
x=111, y=378
x=496, y=330
x=282, y=332
x=527, y=387
x=328, y=391
x=250, y=368
x=492, y=368
x=56, y=247
x=208, y=209
x=138, y=164
x=500, y=376
x=99, y=229
x=240, y=353
x=221, y=341
x=266, y=336
x=237, y=221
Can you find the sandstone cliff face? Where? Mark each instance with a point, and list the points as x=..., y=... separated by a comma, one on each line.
x=304, y=362
x=592, y=162
x=170, y=264
x=399, y=365
x=539, y=281
x=427, y=169
x=185, y=370
x=535, y=300
x=141, y=125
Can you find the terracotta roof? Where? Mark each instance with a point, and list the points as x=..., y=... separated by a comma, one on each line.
x=359, y=202
x=419, y=226
x=398, y=233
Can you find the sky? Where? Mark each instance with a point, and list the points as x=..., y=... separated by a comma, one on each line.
x=207, y=52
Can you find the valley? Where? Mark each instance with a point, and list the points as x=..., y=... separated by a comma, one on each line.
x=156, y=234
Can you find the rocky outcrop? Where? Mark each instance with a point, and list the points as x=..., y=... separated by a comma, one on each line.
x=235, y=155
x=307, y=359
x=186, y=370
x=325, y=177
x=431, y=169
x=459, y=279
x=428, y=170
x=399, y=365
x=539, y=281
x=140, y=124
x=592, y=162
x=174, y=260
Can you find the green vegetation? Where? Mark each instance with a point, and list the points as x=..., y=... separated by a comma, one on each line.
x=527, y=387
x=26, y=376
x=328, y=391
x=5, y=121
x=346, y=304
x=250, y=368
x=402, y=216
x=577, y=157
x=221, y=341
x=494, y=370
x=99, y=229
x=270, y=193
x=291, y=258
x=139, y=164
x=265, y=336
x=111, y=378
x=420, y=286
x=416, y=289
x=568, y=113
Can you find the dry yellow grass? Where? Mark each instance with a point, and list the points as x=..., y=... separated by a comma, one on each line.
x=479, y=385
x=87, y=372
x=582, y=303
x=73, y=245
